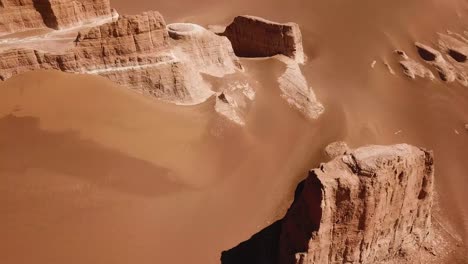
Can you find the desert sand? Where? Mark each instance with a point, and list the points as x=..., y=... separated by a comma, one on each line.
x=91, y=172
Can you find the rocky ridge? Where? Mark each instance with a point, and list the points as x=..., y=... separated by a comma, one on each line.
x=136, y=51
x=22, y=15
x=165, y=61
x=448, y=61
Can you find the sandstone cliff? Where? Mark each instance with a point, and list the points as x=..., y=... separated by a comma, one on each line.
x=257, y=37
x=367, y=206
x=143, y=53
x=138, y=52
x=21, y=15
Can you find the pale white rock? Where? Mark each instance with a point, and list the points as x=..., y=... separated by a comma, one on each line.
x=296, y=91
x=336, y=149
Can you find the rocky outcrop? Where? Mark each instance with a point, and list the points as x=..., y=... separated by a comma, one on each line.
x=449, y=62
x=457, y=49
x=257, y=37
x=336, y=149
x=235, y=101
x=370, y=205
x=433, y=57
x=21, y=15
x=138, y=52
x=296, y=91
x=412, y=68
x=165, y=61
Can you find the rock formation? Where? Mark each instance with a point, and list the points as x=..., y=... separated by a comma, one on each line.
x=21, y=15
x=412, y=68
x=143, y=53
x=367, y=206
x=257, y=37
x=449, y=62
x=433, y=57
x=336, y=149
x=296, y=91
x=235, y=102
x=137, y=51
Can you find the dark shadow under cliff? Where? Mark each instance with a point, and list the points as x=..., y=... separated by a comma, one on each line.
x=261, y=248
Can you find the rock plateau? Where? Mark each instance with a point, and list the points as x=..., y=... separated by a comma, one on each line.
x=143, y=53
x=367, y=206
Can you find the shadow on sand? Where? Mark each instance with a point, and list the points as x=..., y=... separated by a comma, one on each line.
x=24, y=145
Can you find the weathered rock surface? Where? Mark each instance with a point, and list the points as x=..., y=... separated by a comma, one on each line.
x=165, y=61
x=234, y=102
x=257, y=37
x=433, y=57
x=21, y=15
x=412, y=68
x=449, y=62
x=368, y=206
x=296, y=91
x=137, y=51
x=455, y=48
x=336, y=149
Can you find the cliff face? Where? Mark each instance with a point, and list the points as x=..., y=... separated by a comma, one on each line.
x=21, y=15
x=137, y=51
x=257, y=37
x=165, y=61
x=368, y=206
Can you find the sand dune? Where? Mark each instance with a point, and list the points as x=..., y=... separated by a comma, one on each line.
x=105, y=175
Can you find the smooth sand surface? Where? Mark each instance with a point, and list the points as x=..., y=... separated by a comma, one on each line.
x=93, y=173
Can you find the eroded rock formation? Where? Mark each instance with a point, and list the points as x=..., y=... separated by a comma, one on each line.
x=235, y=102
x=257, y=37
x=412, y=68
x=368, y=206
x=141, y=52
x=296, y=90
x=336, y=149
x=21, y=15
x=448, y=61
x=137, y=51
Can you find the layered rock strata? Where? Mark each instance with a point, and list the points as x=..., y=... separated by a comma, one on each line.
x=21, y=15
x=257, y=37
x=137, y=51
x=165, y=61
x=370, y=205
